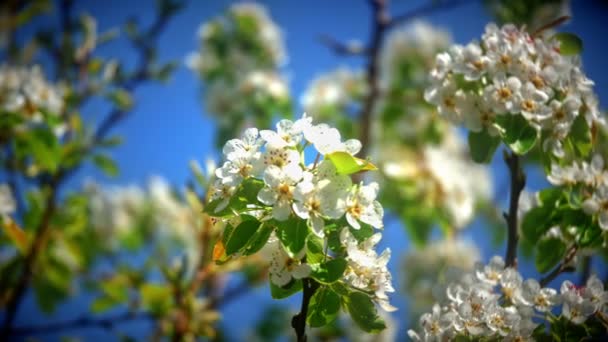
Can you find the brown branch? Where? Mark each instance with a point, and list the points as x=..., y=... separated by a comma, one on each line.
x=103, y=323
x=564, y=266
x=298, y=322
x=518, y=182
x=380, y=23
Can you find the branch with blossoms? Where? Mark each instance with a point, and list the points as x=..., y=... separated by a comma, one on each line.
x=314, y=224
x=529, y=93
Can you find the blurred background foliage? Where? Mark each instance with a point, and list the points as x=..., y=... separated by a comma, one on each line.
x=80, y=257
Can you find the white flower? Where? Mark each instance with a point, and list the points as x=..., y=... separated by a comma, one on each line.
x=471, y=62
x=247, y=146
x=279, y=190
x=222, y=191
x=321, y=195
x=576, y=308
x=436, y=323
x=491, y=273
x=283, y=268
x=7, y=202
x=542, y=299
x=510, y=283
x=361, y=205
x=327, y=140
x=287, y=134
x=503, y=93
x=366, y=270
x=598, y=204
x=594, y=292
x=502, y=319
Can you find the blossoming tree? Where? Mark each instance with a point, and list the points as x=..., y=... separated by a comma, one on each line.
x=297, y=200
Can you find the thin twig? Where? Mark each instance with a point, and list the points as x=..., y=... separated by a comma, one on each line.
x=518, y=182
x=103, y=323
x=564, y=266
x=585, y=269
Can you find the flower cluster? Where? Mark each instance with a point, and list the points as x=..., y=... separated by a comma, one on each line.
x=334, y=92
x=444, y=176
x=238, y=58
x=427, y=269
x=246, y=38
x=319, y=194
x=494, y=301
x=26, y=92
x=510, y=73
x=590, y=180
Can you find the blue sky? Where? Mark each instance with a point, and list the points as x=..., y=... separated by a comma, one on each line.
x=168, y=128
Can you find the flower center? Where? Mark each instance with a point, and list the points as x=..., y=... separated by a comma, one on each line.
x=504, y=93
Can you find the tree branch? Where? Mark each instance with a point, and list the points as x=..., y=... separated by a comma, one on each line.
x=344, y=49
x=298, y=322
x=518, y=182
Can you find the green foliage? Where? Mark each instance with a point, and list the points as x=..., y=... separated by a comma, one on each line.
x=324, y=307
x=518, y=133
x=247, y=193
x=363, y=312
x=106, y=164
x=549, y=252
x=288, y=290
x=482, y=146
x=292, y=233
x=347, y=164
x=156, y=298
x=329, y=271
x=569, y=43
x=236, y=239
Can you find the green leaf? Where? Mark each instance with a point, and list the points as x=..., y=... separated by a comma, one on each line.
x=106, y=164
x=347, y=164
x=518, y=134
x=535, y=223
x=549, y=252
x=293, y=233
x=363, y=311
x=156, y=298
x=283, y=292
x=323, y=308
x=314, y=250
x=580, y=136
x=44, y=147
x=239, y=236
x=363, y=233
x=259, y=239
x=482, y=146
x=328, y=272
x=102, y=304
x=121, y=99
x=570, y=44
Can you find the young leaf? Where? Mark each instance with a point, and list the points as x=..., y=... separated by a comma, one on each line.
x=259, y=239
x=482, y=146
x=323, y=308
x=106, y=164
x=277, y=292
x=347, y=164
x=363, y=311
x=569, y=43
x=156, y=298
x=328, y=272
x=292, y=233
